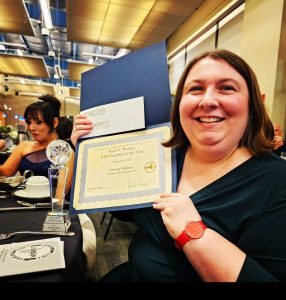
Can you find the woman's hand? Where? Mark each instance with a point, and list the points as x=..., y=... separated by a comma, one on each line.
x=81, y=126
x=278, y=141
x=176, y=210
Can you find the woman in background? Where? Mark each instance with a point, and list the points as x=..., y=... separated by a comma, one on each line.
x=279, y=143
x=42, y=118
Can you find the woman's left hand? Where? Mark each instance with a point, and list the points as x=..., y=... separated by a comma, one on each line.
x=176, y=210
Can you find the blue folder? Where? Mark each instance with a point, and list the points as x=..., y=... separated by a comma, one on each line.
x=141, y=73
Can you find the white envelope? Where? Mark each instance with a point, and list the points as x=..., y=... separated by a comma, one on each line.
x=116, y=117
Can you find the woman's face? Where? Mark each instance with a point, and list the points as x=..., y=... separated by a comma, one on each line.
x=38, y=128
x=214, y=106
x=277, y=130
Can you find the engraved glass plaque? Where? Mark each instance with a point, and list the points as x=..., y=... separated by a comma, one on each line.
x=58, y=152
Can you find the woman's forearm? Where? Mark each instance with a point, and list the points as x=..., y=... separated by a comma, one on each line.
x=214, y=257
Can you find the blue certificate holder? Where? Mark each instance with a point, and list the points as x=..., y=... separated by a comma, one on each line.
x=123, y=171
x=142, y=73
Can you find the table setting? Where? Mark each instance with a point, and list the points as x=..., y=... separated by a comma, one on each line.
x=25, y=204
x=22, y=221
x=35, y=187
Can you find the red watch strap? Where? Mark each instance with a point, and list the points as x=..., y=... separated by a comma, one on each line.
x=184, y=237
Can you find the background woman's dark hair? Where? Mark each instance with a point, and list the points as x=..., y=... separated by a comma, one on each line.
x=48, y=105
x=258, y=136
x=64, y=128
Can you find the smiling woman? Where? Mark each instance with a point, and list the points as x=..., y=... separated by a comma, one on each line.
x=213, y=227
x=217, y=105
x=222, y=93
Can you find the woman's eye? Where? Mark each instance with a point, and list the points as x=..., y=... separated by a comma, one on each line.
x=195, y=89
x=227, y=88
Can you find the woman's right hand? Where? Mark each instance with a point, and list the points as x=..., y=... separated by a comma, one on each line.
x=81, y=126
x=278, y=141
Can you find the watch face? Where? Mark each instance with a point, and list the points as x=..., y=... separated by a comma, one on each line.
x=194, y=230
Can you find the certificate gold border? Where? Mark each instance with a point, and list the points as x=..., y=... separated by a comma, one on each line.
x=85, y=200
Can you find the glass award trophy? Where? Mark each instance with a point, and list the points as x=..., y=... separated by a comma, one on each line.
x=58, y=152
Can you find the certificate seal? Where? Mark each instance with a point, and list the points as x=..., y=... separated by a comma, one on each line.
x=33, y=252
x=150, y=167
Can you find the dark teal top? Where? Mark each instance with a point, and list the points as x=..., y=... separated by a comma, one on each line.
x=247, y=206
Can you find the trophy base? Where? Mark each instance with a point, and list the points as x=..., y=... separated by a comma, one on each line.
x=58, y=222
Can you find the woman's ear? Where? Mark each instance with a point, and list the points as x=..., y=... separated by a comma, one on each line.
x=56, y=122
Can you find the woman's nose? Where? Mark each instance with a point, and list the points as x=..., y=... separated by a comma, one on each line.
x=209, y=100
x=31, y=127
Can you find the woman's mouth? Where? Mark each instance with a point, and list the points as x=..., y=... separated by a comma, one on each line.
x=209, y=119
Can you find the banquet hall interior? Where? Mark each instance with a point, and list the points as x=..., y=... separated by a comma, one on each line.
x=46, y=46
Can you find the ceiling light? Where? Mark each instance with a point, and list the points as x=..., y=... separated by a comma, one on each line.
x=99, y=55
x=82, y=62
x=2, y=47
x=58, y=71
x=45, y=31
x=51, y=53
x=122, y=52
x=46, y=14
x=29, y=94
x=14, y=45
x=19, y=52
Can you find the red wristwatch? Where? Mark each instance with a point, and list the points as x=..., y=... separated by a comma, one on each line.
x=193, y=230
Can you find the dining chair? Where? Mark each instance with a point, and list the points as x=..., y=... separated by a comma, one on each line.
x=108, y=225
x=89, y=240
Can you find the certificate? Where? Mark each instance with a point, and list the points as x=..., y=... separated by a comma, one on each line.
x=122, y=171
